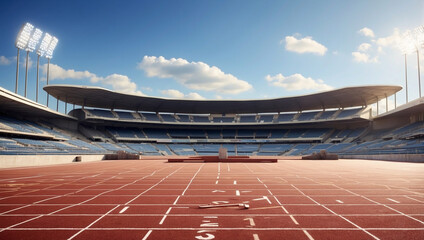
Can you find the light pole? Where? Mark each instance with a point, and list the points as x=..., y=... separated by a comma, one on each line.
x=41, y=52
x=32, y=43
x=49, y=55
x=21, y=43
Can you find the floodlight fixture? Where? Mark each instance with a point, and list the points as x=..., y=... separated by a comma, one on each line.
x=24, y=36
x=418, y=36
x=52, y=46
x=21, y=43
x=33, y=41
x=41, y=51
x=406, y=43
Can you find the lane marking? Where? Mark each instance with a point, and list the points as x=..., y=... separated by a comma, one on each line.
x=214, y=191
x=164, y=216
x=91, y=224
x=294, y=220
x=147, y=235
x=235, y=182
x=150, y=188
x=339, y=201
x=124, y=209
x=347, y=220
x=228, y=167
x=255, y=236
x=237, y=193
x=251, y=221
x=216, y=182
x=262, y=198
x=414, y=199
x=393, y=200
x=382, y=204
x=260, y=180
x=308, y=235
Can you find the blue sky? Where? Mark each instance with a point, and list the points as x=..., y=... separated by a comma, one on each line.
x=215, y=49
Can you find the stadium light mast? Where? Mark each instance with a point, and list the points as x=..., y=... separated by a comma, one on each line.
x=49, y=55
x=21, y=43
x=418, y=38
x=41, y=52
x=406, y=45
x=32, y=43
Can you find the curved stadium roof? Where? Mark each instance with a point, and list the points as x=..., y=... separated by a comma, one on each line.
x=103, y=98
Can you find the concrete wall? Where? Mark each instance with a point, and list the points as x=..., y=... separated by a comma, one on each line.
x=10, y=161
x=389, y=157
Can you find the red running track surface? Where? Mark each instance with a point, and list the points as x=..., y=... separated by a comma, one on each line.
x=154, y=199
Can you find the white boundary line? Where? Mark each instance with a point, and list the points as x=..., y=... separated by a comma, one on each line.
x=335, y=213
x=91, y=224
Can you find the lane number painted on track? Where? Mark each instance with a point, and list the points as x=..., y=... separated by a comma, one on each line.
x=207, y=222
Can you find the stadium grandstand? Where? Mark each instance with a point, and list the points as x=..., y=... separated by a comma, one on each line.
x=102, y=121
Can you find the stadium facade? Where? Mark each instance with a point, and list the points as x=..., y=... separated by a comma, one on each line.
x=102, y=121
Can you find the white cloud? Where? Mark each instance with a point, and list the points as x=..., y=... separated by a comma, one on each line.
x=297, y=82
x=364, y=47
x=390, y=41
x=304, y=45
x=120, y=83
x=193, y=75
x=172, y=93
x=4, y=60
x=363, y=57
x=366, y=32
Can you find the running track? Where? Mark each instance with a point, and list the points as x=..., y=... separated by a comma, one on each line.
x=153, y=199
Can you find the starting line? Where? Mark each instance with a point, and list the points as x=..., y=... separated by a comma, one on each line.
x=230, y=159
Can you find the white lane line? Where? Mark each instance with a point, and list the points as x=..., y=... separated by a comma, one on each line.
x=339, y=201
x=164, y=216
x=228, y=167
x=414, y=199
x=21, y=178
x=216, y=182
x=147, y=235
x=219, y=168
x=382, y=204
x=124, y=209
x=188, y=185
x=235, y=182
x=163, y=179
x=237, y=193
x=255, y=236
x=393, y=200
x=294, y=220
x=176, y=200
x=251, y=221
x=260, y=180
x=308, y=235
x=347, y=220
x=91, y=224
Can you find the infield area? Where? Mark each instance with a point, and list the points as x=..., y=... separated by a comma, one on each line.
x=154, y=199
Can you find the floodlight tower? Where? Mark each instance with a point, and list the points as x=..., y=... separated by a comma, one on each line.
x=418, y=37
x=41, y=51
x=407, y=47
x=21, y=43
x=49, y=55
x=32, y=43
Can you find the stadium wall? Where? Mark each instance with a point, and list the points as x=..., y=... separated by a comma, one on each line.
x=10, y=161
x=388, y=157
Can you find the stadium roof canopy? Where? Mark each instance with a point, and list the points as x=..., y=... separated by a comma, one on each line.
x=14, y=104
x=103, y=98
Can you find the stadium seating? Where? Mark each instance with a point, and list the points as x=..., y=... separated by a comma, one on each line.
x=307, y=116
x=247, y=119
x=152, y=117
x=168, y=117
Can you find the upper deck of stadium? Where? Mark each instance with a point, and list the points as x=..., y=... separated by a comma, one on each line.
x=97, y=97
